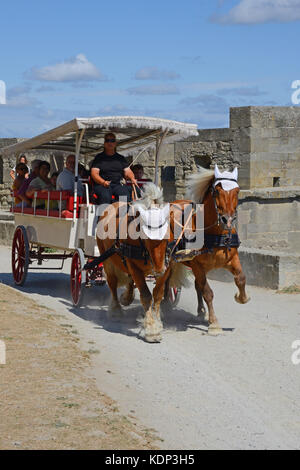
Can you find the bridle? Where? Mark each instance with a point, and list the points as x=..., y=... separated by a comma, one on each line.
x=221, y=219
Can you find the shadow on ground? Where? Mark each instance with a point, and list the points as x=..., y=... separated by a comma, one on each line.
x=96, y=303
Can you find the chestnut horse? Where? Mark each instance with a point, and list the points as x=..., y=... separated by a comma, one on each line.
x=218, y=192
x=136, y=258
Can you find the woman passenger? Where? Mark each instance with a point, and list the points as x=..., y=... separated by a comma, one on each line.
x=41, y=183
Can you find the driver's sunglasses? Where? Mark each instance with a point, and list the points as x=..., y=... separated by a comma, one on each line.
x=110, y=140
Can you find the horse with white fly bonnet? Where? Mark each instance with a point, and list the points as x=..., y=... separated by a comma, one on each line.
x=218, y=192
x=135, y=240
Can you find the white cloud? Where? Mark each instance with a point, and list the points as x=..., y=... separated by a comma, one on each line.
x=18, y=91
x=153, y=73
x=71, y=70
x=211, y=86
x=261, y=11
x=211, y=103
x=154, y=90
x=243, y=91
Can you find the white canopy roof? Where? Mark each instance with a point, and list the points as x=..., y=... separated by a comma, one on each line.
x=132, y=132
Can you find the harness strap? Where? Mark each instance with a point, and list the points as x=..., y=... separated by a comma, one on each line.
x=107, y=254
x=226, y=179
x=131, y=251
x=229, y=240
x=182, y=232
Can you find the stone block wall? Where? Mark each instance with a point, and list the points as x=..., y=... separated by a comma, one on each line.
x=272, y=145
x=210, y=147
x=270, y=219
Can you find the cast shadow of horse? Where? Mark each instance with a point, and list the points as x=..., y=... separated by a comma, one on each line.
x=97, y=300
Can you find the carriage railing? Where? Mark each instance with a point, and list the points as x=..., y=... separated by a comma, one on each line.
x=49, y=197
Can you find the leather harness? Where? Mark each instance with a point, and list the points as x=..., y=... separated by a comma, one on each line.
x=211, y=241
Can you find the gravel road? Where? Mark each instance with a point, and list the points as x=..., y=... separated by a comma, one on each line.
x=235, y=391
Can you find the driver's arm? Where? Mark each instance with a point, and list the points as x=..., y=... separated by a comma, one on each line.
x=129, y=175
x=95, y=174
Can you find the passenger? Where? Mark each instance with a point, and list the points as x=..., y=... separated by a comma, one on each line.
x=40, y=183
x=66, y=179
x=107, y=170
x=21, y=159
x=53, y=178
x=138, y=171
x=83, y=172
x=21, y=171
x=22, y=191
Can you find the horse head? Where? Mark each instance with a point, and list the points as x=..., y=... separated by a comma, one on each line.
x=225, y=191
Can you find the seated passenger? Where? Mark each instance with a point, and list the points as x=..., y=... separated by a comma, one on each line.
x=25, y=201
x=138, y=171
x=21, y=172
x=107, y=170
x=83, y=172
x=40, y=183
x=53, y=178
x=66, y=179
x=21, y=159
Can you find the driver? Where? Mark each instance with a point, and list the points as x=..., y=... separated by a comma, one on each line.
x=107, y=170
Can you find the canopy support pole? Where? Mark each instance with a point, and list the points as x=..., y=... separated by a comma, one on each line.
x=77, y=153
x=158, y=148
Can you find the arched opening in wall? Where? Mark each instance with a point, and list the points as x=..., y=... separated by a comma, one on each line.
x=202, y=161
x=1, y=170
x=168, y=182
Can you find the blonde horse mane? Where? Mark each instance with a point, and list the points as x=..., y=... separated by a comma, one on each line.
x=198, y=183
x=151, y=194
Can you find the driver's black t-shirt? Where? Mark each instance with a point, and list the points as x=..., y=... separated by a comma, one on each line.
x=111, y=166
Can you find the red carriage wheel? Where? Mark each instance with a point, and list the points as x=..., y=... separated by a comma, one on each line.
x=78, y=278
x=20, y=255
x=174, y=296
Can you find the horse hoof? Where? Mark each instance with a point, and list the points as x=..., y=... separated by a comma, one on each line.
x=202, y=316
x=153, y=338
x=125, y=301
x=214, y=330
x=237, y=299
x=115, y=314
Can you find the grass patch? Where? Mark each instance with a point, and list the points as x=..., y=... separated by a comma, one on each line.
x=294, y=289
x=70, y=405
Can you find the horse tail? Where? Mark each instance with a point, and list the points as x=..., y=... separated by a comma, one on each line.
x=181, y=276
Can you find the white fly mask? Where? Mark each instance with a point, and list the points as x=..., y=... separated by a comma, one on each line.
x=154, y=222
x=228, y=179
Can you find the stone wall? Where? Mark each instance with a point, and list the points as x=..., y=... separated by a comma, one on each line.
x=269, y=219
x=211, y=146
x=262, y=141
x=270, y=145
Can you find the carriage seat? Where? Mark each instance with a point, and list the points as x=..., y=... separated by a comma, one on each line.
x=55, y=195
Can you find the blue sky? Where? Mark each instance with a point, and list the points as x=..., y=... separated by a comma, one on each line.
x=186, y=61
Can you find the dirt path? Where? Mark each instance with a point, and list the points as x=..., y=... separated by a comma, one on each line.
x=236, y=391
x=47, y=398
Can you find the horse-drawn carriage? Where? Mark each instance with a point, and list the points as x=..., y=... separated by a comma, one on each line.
x=72, y=229
x=69, y=230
